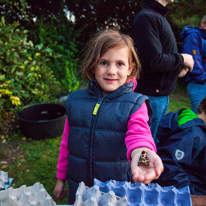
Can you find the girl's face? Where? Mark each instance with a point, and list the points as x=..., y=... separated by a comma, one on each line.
x=112, y=69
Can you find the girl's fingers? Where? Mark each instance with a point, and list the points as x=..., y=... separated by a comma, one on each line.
x=138, y=178
x=157, y=162
x=63, y=194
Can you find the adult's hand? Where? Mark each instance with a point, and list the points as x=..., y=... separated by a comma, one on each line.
x=183, y=72
x=142, y=173
x=188, y=61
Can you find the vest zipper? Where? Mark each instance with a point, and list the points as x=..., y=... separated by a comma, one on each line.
x=95, y=116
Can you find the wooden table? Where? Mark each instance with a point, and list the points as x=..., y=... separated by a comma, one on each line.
x=198, y=200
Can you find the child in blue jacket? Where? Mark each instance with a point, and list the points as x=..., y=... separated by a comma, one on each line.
x=194, y=43
x=182, y=148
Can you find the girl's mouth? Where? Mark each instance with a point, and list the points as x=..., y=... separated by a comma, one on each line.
x=110, y=80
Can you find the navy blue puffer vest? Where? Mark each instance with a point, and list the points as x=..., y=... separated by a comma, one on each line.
x=98, y=126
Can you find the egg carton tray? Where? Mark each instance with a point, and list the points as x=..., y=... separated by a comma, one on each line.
x=93, y=197
x=147, y=195
x=5, y=181
x=34, y=195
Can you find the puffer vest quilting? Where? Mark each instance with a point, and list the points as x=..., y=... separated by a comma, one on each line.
x=98, y=127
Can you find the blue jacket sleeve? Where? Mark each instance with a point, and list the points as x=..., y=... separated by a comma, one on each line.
x=192, y=45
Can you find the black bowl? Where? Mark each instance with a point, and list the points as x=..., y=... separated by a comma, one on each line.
x=40, y=121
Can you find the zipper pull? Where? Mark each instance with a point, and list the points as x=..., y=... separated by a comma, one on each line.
x=96, y=108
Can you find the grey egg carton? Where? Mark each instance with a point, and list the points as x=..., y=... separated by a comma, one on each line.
x=35, y=195
x=3, y=179
x=93, y=197
x=144, y=195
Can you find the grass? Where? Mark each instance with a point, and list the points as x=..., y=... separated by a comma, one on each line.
x=179, y=98
x=37, y=163
x=31, y=161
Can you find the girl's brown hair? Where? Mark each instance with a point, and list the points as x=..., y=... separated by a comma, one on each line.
x=102, y=42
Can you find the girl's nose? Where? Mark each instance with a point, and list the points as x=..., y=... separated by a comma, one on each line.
x=112, y=69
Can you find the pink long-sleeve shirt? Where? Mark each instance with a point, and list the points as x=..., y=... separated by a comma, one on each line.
x=138, y=135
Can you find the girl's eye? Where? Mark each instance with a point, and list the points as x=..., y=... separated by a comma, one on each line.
x=103, y=63
x=120, y=64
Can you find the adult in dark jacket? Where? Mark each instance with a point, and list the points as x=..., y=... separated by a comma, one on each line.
x=182, y=148
x=159, y=57
x=194, y=43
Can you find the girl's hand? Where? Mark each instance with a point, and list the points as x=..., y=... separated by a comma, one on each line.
x=59, y=191
x=142, y=173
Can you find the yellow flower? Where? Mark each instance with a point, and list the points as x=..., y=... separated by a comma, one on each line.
x=15, y=100
x=22, y=66
x=37, y=54
x=5, y=91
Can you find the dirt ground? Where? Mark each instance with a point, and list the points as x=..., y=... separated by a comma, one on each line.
x=10, y=150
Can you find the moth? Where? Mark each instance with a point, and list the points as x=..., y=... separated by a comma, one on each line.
x=143, y=159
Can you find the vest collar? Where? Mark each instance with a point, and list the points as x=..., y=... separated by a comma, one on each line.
x=95, y=90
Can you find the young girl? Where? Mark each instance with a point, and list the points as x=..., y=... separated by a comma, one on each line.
x=107, y=123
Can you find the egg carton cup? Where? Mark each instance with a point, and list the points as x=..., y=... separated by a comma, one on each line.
x=35, y=195
x=139, y=194
x=5, y=181
x=93, y=197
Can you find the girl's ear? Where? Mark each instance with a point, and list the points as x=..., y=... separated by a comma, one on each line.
x=132, y=66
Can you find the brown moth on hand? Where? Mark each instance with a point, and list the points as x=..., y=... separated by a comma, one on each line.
x=143, y=159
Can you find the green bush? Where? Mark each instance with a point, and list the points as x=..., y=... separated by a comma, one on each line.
x=193, y=20
x=61, y=38
x=25, y=76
